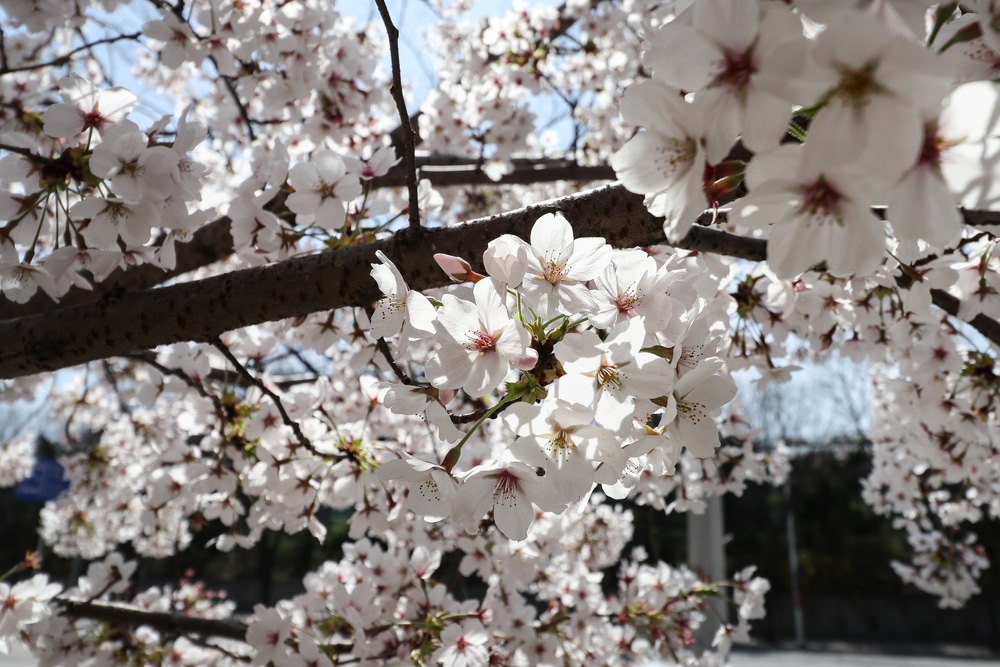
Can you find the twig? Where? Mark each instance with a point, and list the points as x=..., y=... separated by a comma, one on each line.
x=255, y=381
x=64, y=58
x=476, y=415
x=383, y=347
x=3, y=51
x=409, y=146
x=244, y=114
x=188, y=380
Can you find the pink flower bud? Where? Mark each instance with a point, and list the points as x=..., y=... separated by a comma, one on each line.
x=457, y=268
x=528, y=361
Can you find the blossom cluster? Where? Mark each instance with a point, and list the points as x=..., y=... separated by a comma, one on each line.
x=95, y=207
x=31, y=617
x=607, y=378
x=837, y=111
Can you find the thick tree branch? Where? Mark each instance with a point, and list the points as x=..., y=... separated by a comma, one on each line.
x=120, y=614
x=213, y=242
x=201, y=310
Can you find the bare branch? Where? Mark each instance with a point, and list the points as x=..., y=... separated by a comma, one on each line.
x=409, y=145
x=383, y=347
x=64, y=58
x=257, y=382
x=110, y=612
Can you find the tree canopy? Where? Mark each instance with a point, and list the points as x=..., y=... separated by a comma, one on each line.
x=276, y=273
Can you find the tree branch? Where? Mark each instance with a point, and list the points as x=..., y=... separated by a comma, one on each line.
x=60, y=60
x=257, y=382
x=201, y=310
x=110, y=612
x=213, y=242
x=409, y=142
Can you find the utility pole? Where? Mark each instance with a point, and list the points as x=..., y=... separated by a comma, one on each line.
x=707, y=557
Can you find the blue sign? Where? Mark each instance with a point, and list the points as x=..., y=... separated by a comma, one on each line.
x=44, y=483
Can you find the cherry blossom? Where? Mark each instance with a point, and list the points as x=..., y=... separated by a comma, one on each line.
x=509, y=489
x=483, y=342
x=611, y=374
x=666, y=160
x=815, y=215
x=84, y=107
x=718, y=54
x=700, y=395
x=433, y=488
x=462, y=645
x=402, y=310
x=558, y=267
x=322, y=189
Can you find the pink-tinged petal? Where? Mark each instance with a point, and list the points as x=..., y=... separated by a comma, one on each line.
x=780, y=164
x=551, y=233
x=732, y=25
x=484, y=374
x=859, y=246
x=713, y=391
x=765, y=120
x=921, y=207
x=852, y=43
x=652, y=379
x=101, y=232
x=304, y=176
x=651, y=163
x=474, y=498
x=492, y=310
x=837, y=136
x=330, y=214
x=62, y=121
x=512, y=340
x=330, y=166
x=790, y=252
x=572, y=477
x=574, y=389
x=408, y=469
x=387, y=276
x=420, y=313
x=790, y=73
x=76, y=90
x=700, y=437
x=896, y=136
x=660, y=109
x=680, y=57
x=724, y=119
x=681, y=208
x=115, y=103
x=458, y=317
x=590, y=256
x=449, y=368
x=303, y=202
x=579, y=352
x=513, y=515
x=614, y=408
